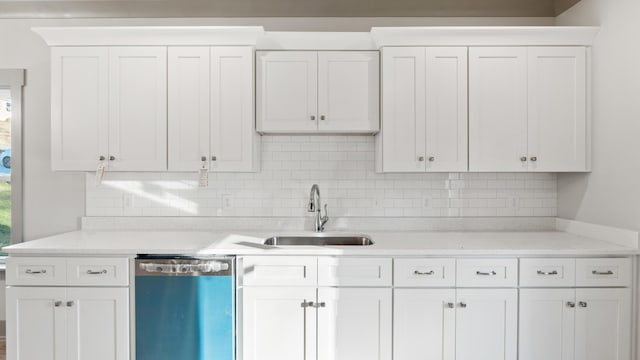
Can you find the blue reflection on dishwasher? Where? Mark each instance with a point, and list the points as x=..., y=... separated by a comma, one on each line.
x=185, y=318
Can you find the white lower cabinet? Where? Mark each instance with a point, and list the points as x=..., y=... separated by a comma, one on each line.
x=354, y=323
x=290, y=323
x=277, y=323
x=447, y=324
x=59, y=323
x=586, y=324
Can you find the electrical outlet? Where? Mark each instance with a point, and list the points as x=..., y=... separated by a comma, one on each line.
x=513, y=202
x=128, y=201
x=227, y=201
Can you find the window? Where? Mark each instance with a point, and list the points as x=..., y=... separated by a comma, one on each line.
x=11, y=82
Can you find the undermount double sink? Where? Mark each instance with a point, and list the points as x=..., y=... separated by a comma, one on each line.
x=319, y=239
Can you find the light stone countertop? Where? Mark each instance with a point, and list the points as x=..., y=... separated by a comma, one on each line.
x=396, y=243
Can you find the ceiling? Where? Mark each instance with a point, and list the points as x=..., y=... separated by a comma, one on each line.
x=282, y=8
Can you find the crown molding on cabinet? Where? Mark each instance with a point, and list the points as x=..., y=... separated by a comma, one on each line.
x=149, y=35
x=484, y=36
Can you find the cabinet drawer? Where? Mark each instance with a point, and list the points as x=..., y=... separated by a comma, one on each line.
x=354, y=271
x=424, y=272
x=279, y=271
x=98, y=271
x=603, y=272
x=487, y=272
x=36, y=271
x=548, y=272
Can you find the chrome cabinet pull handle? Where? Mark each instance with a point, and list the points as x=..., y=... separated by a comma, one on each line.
x=320, y=304
x=534, y=159
x=571, y=304
x=69, y=303
x=203, y=158
x=582, y=304
x=451, y=305
x=523, y=159
x=101, y=158
x=214, y=158
x=313, y=118
x=432, y=158
x=596, y=272
x=554, y=272
x=462, y=305
x=57, y=303
x=100, y=272
x=417, y=272
x=112, y=157
x=420, y=158
x=322, y=117
x=492, y=273
x=306, y=304
x=35, y=272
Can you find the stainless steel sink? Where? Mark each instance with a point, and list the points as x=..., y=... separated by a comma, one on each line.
x=320, y=240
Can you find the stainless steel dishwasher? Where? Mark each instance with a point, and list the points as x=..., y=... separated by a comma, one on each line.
x=185, y=308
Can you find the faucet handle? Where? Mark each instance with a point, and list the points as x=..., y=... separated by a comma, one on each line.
x=324, y=218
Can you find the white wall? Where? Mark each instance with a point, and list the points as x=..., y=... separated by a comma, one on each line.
x=53, y=202
x=611, y=194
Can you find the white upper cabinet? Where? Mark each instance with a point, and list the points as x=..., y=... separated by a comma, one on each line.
x=235, y=146
x=498, y=109
x=310, y=91
x=79, y=104
x=138, y=108
x=424, y=109
x=348, y=91
x=446, y=109
x=211, y=109
x=188, y=107
x=528, y=109
x=109, y=104
x=402, y=138
x=287, y=88
x=557, y=109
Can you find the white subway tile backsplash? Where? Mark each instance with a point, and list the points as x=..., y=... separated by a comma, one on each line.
x=343, y=166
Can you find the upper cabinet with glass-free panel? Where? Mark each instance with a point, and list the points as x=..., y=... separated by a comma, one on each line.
x=317, y=91
x=109, y=106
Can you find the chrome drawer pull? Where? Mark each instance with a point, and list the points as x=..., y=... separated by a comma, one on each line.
x=417, y=272
x=69, y=303
x=101, y=272
x=463, y=305
x=319, y=305
x=571, y=304
x=451, y=305
x=596, y=272
x=35, y=272
x=492, y=273
x=582, y=304
x=540, y=272
x=306, y=304
x=57, y=303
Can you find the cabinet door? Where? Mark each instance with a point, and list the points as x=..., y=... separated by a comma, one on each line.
x=446, y=109
x=424, y=324
x=547, y=319
x=603, y=324
x=403, y=110
x=498, y=109
x=348, y=91
x=487, y=324
x=98, y=323
x=275, y=324
x=287, y=91
x=138, y=108
x=557, y=109
x=36, y=323
x=79, y=130
x=234, y=142
x=188, y=108
x=354, y=323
